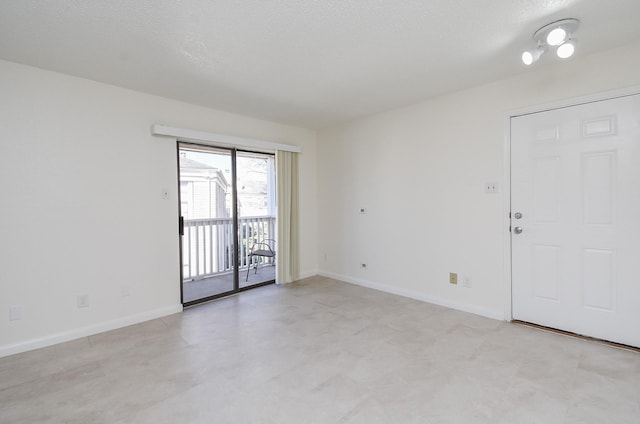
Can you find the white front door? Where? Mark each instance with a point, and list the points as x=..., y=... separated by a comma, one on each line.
x=575, y=218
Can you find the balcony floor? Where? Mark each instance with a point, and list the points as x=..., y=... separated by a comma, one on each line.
x=200, y=289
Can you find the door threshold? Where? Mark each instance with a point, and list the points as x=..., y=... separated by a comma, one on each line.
x=226, y=295
x=576, y=336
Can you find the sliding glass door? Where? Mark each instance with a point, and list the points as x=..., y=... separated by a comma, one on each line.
x=227, y=220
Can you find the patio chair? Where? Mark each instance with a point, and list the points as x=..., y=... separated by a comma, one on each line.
x=265, y=249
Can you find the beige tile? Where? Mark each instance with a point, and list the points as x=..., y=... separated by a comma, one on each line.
x=322, y=351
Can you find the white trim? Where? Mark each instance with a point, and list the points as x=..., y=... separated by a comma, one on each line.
x=412, y=294
x=607, y=95
x=307, y=274
x=77, y=333
x=575, y=101
x=303, y=276
x=221, y=140
x=506, y=210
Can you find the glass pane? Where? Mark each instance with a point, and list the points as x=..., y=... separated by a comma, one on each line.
x=256, y=217
x=206, y=200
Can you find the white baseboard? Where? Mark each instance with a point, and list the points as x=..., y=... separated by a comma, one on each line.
x=307, y=274
x=77, y=333
x=412, y=294
x=301, y=276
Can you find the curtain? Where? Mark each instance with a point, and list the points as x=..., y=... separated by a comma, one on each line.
x=287, y=217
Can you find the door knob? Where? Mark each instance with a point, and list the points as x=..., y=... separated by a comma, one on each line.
x=517, y=230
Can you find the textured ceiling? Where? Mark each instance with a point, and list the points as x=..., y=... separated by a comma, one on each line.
x=311, y=63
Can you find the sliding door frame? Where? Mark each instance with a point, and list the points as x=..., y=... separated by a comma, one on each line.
x=235, y=219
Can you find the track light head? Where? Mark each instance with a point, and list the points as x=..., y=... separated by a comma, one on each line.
x=566, y=49
x=556, y=36
x=532, y=56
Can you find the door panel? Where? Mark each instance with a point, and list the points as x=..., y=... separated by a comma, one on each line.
x=208, y=242
x=256, y=213
x=576, y=181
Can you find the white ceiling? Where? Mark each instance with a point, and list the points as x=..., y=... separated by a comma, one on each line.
x=311, y=63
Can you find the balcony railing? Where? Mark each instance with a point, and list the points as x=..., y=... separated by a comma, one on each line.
x=207, y=244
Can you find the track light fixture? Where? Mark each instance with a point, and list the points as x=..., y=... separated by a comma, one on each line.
x=558, y=34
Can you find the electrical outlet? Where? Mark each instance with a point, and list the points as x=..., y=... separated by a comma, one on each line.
x=165, y=193
x=15, y=313
x=491, y=187
x=453, y=278
x=83, y=301
x=466, y=281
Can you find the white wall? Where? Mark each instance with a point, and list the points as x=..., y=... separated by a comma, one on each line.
x=419, y=171
x=82, y=212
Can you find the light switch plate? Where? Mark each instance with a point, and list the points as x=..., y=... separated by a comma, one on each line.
x=83, y=301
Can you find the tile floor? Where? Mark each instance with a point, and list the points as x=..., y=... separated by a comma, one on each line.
x=321, y=351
